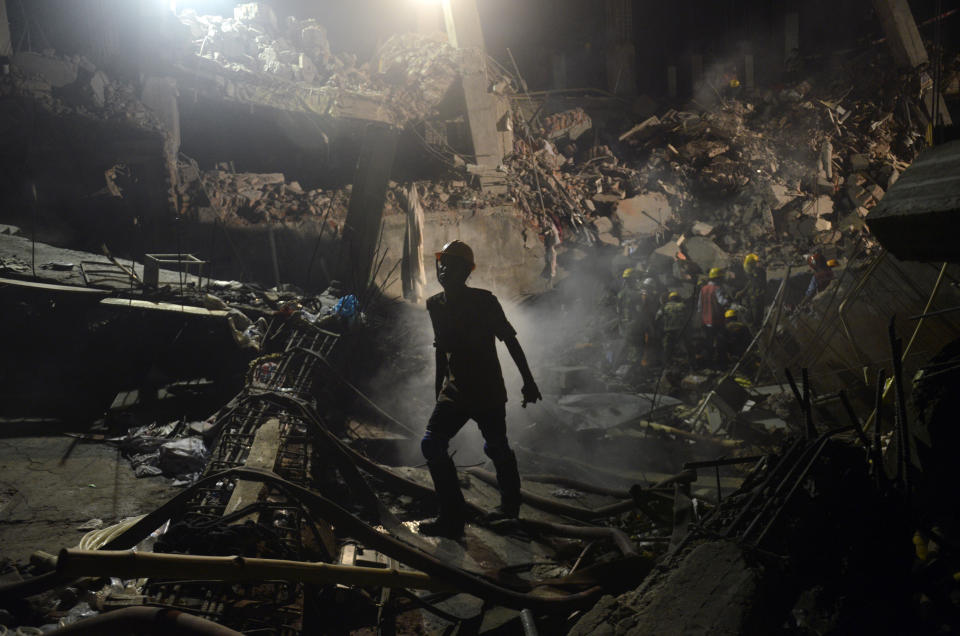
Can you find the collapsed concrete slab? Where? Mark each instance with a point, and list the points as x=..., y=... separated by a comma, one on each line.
x=921, y=208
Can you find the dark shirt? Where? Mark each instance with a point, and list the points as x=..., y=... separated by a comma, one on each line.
x=464, y=331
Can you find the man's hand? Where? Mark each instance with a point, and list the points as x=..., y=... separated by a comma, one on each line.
x=530, y=392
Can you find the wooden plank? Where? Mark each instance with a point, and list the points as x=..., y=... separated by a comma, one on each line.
x=131, y=303
x=52, y=287
x=263, y=454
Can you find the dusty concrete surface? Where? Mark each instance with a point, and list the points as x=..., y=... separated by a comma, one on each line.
x=47, y=490
x=712, y=592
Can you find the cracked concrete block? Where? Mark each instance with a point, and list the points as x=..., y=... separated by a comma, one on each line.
x=98, y=85
x=859, y=162
x=55, y=71
x=705, y=253
x=701, y=229
x=603, y=224
x=631, y=212
x=818, y=207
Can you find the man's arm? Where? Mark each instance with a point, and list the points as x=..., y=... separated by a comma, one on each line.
x=721, y=297
x=530, y=391
x=441, y=371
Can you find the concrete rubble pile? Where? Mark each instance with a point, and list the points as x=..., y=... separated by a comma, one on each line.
x=73, y=86
x=251, y=198
x=411, y=71
x=779, y=172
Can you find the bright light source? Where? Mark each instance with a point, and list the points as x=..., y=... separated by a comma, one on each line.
x=430, y=2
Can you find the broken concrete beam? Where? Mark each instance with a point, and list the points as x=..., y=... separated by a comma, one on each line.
x=859, y=196
x=55, y=71
x=653, y=120
x=644, y=214
x=606, y=198
x=826, y=159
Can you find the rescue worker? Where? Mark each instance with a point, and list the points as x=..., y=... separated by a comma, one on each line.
x=629, y=301
x=647, y=316
x=469, y=385
x=822, y=274
x=672, y=319
x=753, y=294
x=737, y=336
x=710, y=305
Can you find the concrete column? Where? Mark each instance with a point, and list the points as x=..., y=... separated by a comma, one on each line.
x=791, y=34
x=907, y=45
x=749, y=81
x=559, y=67
x=902, y=33
x=672, y=81
x=160, y=95
x=620, y=51
x=361, y=230
x=696, y=70
x=465, y=32
x=6, y=44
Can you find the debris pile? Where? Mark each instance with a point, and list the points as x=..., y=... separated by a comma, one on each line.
x=266, y=197
x=411, y=71
x=74, y=86
x=787, y=169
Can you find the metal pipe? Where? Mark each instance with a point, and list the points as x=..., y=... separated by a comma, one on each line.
x=529, y=624
x=723, y=461
x=913, y=337
x=145, y=620
x=128, y=564
x=549, y=505
x=619, y=537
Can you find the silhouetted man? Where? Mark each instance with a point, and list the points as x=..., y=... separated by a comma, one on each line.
x=469, y=385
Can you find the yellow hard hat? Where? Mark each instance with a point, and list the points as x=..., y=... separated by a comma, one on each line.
x=672, y=295
x=458, y=249
x=627, y=272
x=730, y=313
x=833, y=263
x=715, y=272
x=750, y=258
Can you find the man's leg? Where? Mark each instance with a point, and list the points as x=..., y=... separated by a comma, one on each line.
x=493, y=427
x=709, y=346
x=445, y=422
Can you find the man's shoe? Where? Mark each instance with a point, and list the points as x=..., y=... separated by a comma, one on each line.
x=442, y=527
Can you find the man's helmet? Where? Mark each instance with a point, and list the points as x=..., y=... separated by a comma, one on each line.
x=715, y=272
x=750, y=258
x=833, y=263
x=649, y=283
x=673, y=295
x=627, y=273
x=730, y=313
x=458, y=249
